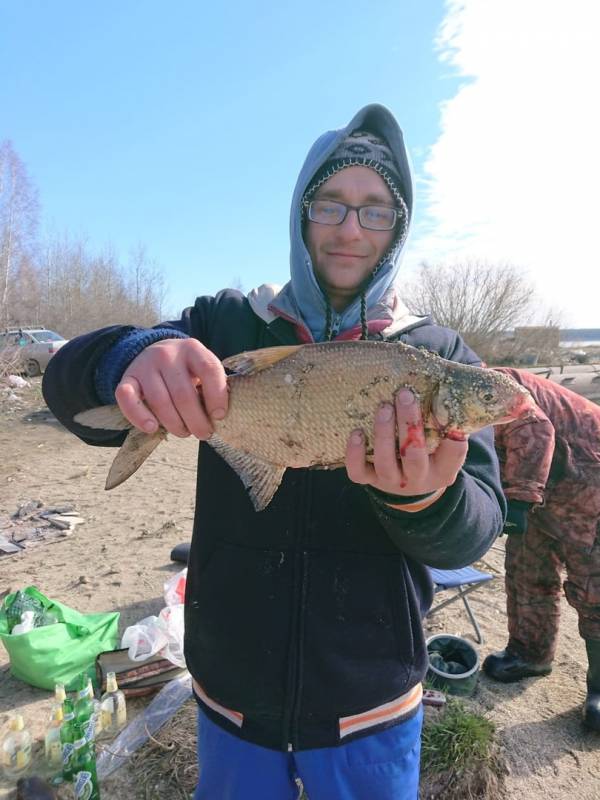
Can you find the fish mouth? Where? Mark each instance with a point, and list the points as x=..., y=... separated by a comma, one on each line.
x=522, y=407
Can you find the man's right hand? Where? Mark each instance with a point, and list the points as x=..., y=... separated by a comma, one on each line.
x=176, y=383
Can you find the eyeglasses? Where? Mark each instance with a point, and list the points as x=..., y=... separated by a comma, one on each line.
x=373, y=218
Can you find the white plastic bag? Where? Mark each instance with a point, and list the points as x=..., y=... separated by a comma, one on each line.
x=162, y=635
x=170, y=698
x=171, y=619
x=144, y=639
x=174, y=588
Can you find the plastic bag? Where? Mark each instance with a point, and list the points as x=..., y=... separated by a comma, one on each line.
x=174, y=588
x=162, y=635
x=170, y=698
x=59, y=652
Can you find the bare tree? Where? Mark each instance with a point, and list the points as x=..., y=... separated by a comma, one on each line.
x=18, y=223
x=81, y=291
x=481, y=301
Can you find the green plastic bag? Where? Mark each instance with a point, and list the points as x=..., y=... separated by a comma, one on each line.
x=58, y=653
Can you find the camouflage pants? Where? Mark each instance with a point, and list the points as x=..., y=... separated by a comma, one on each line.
x=534, y=566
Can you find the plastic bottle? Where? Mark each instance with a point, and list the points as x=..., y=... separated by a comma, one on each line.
x=21, y=602
x=114, y=707
x=26, y=624
x=85, y=778
x=59, y=698
x=53, y=748
x=15, y=754
x=88, y=715
x=67, y=738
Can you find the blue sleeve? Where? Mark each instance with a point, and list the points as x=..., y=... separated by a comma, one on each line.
x=115, y=361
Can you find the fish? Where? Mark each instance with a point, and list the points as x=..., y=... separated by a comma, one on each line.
x=295, y=407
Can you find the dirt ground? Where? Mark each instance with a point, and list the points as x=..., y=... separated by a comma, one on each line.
x=119, y=559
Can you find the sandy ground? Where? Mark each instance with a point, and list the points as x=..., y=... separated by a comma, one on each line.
x=119, y=559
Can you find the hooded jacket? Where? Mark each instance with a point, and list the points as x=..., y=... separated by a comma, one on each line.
x=302, y=299
x=302, y=622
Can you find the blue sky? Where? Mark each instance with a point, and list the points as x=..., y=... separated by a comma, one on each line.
x=142, y=122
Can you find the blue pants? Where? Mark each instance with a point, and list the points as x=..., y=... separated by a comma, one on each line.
x=382, y=766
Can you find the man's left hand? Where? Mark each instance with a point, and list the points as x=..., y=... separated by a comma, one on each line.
x=401, y=464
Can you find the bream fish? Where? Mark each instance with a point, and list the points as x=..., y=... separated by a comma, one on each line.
x=296, y=407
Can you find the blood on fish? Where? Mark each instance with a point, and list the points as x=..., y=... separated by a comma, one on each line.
x=455, y=436
x=414, y=438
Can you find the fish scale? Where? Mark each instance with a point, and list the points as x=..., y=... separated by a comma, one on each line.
x=296, y=406
x=301, y=411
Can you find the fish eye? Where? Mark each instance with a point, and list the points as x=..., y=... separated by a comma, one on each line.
x=487, y=396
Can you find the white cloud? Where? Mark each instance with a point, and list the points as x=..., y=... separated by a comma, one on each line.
x=515, y=173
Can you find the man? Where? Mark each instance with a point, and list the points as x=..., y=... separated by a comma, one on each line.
x=550, y=466
x=303, y=621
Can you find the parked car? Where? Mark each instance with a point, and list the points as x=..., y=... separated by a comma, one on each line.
x=31, y=348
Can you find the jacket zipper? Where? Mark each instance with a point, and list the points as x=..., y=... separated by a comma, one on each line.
x=295, y=676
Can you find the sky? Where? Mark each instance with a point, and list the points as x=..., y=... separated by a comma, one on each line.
x=182, y=127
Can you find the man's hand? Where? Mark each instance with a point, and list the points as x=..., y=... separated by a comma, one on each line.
x=401, y=465
x=176, y=383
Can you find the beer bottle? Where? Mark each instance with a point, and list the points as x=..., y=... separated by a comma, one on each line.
x=114, y=707
x=15, y=753
x=85, y=779
x=53, y=747
x=88, y=718
x=67, y=738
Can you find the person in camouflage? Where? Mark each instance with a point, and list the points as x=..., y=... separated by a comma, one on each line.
x=550, y=467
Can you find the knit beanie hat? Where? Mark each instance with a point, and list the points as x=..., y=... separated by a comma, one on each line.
x=362, y=149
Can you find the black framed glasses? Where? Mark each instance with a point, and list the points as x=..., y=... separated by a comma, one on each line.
x=373, y=218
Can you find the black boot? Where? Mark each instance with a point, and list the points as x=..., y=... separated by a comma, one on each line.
x=508, y=667
x=591, y=707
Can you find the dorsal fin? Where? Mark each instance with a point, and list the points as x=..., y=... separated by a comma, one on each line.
x=256, y=360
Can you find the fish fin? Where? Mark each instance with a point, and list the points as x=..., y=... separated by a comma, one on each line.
x=133, y=452
x=256, y=360
x=260, y=478
x=109, y=418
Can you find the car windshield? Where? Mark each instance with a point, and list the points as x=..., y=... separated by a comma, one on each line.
x=46, y=336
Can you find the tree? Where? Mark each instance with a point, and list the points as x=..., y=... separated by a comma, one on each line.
x=481, y=301
x=18, y=223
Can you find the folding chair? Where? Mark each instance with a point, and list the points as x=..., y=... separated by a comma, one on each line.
x=465, y=581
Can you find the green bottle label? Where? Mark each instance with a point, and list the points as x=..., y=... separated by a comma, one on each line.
x=67, y=754
x=83, y=785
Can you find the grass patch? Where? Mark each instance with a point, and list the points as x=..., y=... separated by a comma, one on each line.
x=460, y=756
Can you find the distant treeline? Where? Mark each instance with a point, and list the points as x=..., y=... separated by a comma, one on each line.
x=60, y=283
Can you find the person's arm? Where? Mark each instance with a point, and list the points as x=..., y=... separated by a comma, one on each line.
x=443, y=509
x=458, y=527
x=87, y=370
x=528, y=446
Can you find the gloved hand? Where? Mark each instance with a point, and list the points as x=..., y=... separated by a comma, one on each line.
x=516, y=517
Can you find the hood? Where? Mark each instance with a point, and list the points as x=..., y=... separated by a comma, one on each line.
x=302, y=298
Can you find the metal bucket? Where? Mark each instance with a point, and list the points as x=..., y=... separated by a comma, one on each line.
x=453, y=664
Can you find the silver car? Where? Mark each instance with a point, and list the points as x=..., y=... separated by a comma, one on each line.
x=30, y=349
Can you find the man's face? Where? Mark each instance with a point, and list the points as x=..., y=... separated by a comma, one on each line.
x=343, y=256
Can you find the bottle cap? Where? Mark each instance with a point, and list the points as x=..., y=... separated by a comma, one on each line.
x=59, y=692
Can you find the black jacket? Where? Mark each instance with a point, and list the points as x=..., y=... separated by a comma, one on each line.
x=311, y=609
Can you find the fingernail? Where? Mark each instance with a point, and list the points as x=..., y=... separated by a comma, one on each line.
x=218, y=413
x=385, y=413
x=356, y=437
x=405, y=397
x=150, y=426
